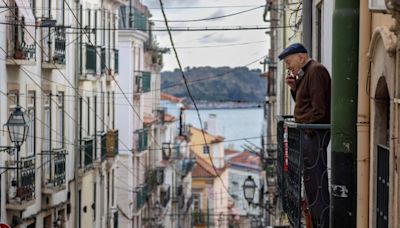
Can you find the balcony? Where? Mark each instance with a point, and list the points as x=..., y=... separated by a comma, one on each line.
x=20, y=181
x=185, y=166
x=290, y=166
x=166, y=151
x=21, y=46
x=54, y=49
x=88, y=66
x=109, y=61
x=165, y=196
x=111, y=143
x=199, y=218
x=54, y=171
x=141, y=140
x=143, y=82
x=141, y=196
x=87, y=152
x=185, y=131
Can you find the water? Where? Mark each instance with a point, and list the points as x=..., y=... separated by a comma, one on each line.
x=233, y=124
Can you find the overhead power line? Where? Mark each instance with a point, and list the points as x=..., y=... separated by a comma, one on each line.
x=212, y=18
x=190, y=94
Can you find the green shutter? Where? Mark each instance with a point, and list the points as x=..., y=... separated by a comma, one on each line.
x=146, y=81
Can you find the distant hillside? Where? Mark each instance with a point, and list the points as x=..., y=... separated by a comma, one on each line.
x=216, y=84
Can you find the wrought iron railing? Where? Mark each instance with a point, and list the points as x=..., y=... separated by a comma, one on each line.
x=22, y=181
x=112, y=143
x=20, y=39
x=292, y=163
x=165, y=196
x=59, y=46
x=382, y=187
x=281, y=167
x=185, y=166
x=54, y=168
x=141, y=196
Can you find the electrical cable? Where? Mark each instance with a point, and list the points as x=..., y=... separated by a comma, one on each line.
x=188, y=91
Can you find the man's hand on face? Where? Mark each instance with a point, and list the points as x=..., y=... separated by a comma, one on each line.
x=291, y=80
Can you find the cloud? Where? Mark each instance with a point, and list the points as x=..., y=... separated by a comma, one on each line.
x=221, y=38
x=217, y=13
x=169, y=3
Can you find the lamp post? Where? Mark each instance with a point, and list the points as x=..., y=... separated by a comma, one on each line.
x=249, y=188
x=17, y=130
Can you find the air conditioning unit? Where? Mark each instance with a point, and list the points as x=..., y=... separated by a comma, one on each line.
x=377, y=5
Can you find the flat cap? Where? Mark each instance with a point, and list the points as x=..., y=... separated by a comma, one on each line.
x=292, y=49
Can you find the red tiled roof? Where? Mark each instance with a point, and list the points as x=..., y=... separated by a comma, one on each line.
x=147, y=120
x=169, y=118
x=230, y=152
x=217, y=138
x=169, y=97
x=246, y=158
x=203, y=169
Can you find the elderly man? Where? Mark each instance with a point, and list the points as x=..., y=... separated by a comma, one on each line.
x=310, y=86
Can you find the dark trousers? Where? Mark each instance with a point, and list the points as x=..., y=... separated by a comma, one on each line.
x=316, y=176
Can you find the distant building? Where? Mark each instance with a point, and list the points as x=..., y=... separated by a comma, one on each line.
x=240, y=165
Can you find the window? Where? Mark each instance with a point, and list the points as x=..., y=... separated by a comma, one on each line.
x=60, y=12
x=31, y=138
x=206, y=149
x=196, y=202
x=60, y=120
x=102, y=107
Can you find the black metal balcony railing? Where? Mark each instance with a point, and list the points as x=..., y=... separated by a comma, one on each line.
x=103, y=60
x=189, y=203
x=282, y=159
x=166, y=151
x=112, y=143
x=54, y=168
x=151, y=180
x=199, y=218
x=142, y=140
x=141, y=196
x=185, y=166
x=22, y=181
x=59, y=46
x=291, y=165
x=20, y=39
x=382, y=186
x=103, y=142
x=116, y=61
x=165, y=196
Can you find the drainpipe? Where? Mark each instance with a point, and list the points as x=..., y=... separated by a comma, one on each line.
x=307, y=25
x=363, y=118
x=344, y=113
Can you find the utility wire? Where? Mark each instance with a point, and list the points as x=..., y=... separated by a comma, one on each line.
x=212, y=18
x=188, y=91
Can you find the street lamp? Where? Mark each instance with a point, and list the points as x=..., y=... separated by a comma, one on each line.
x=157, y=210
x=249, y=188
x=17, y=127
x=254, y=223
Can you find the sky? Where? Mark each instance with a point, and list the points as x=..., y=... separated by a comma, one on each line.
x=212, y=48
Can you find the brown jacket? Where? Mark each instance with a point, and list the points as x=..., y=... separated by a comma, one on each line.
x=313, y=95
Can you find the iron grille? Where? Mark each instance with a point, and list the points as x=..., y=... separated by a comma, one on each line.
x=382, y=188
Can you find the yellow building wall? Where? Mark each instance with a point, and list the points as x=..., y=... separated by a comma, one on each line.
x=197, y=142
